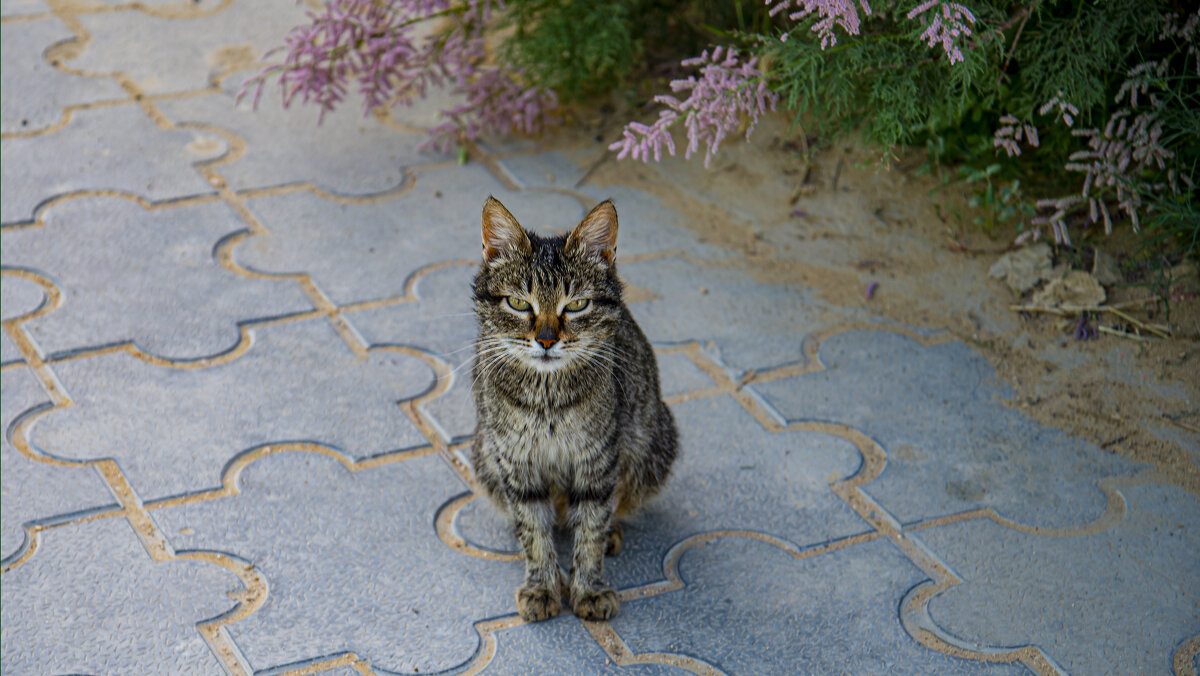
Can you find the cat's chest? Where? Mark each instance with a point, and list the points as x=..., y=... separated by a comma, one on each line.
x=545, y=439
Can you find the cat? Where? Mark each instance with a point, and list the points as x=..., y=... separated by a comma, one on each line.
x=572, y=429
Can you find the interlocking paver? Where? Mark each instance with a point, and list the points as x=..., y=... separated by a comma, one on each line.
x=164, y=54
x=1065, y=595
x=940, y=415
x=400, y=598
x=76, y=607
x=22, y=7
x=346, y=154
x=753, y=608
x=34, y=92
x=358, y=252
x=18, y=297
x=150, y=277
x=115, y=148
x=559, y=646
x=33, y=491
x=173, y=430
x=754, y=325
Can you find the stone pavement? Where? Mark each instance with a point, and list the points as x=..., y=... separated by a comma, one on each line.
x=235, y=407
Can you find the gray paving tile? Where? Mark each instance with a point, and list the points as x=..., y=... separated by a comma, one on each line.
x=346, y=154
x=9, y=353
x=33, y=491
x=940, y=416
x=19, y=296
x=754, y=325
x=173, y=431
x=358, y=252
x=113, y=148
x=147, y=276
x=34, y=92
x=22, y=7
x=163, y=54
x=92, y=601
x=558, y=646
x=1068, y=595
x=353, y=562
x=732, y=475
x=441, y=322
x=751, y=608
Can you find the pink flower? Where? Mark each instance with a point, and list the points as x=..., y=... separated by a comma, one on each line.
x=726, y=92
x=945, y=26
x=831, y=12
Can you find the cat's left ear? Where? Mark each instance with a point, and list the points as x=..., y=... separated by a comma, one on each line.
x=596, y=236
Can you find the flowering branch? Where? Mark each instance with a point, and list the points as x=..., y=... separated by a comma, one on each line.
x=375, y=45
x=726, y=92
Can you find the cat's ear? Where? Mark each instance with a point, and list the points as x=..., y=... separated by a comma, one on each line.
x=501, y=232
x=596, y=236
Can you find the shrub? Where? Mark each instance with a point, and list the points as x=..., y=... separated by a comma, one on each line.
x=1094, y=102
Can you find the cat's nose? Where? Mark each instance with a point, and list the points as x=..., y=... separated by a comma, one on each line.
x=547, y=337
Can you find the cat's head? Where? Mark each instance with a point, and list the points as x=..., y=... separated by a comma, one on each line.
x=547, y=303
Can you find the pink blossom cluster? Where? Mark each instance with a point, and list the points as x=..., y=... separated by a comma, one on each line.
x=832, y=13
x=1009, y=136
x=380, y=47
x=944, y=26
x=727, y=92
x=1116, y=159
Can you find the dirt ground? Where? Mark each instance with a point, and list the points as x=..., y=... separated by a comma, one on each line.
x=839, y=222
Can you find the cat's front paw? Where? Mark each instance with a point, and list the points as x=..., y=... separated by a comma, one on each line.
x=537, y=603
x=595, y=604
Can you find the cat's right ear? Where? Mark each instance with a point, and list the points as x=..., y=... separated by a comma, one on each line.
x=501, y=232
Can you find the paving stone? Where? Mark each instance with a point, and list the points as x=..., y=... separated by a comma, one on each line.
x=34, y=92
x=346, y=154
x=752, y=608
x=22, y=7
x=112, y=148
x=147, y=276
x=9, y=353
x=33, y=491
x=164, y=54
x=732, y=475
x=754, y=325
x=400, y=598
x=173, y=431
x=442, y=322
x=358, y=252
x=558, y=646
x=1066, y=595
x=92, y=601
x=18, y=296
x=940, y=416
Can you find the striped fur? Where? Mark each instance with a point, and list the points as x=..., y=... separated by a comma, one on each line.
x=572, y=429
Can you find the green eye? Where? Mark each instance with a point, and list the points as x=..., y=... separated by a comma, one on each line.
x=518, y=304
x=577, y=305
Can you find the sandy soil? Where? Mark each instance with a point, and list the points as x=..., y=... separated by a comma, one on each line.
x=840, y=222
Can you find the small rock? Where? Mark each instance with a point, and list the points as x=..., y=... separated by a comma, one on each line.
x=1022, y=269
x=1076, y=288
x=1105, y=270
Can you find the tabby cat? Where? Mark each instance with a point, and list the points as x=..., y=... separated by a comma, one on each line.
x=572, y=429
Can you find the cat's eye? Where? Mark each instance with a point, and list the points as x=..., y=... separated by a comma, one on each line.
x=518, y=304
x=577, y=305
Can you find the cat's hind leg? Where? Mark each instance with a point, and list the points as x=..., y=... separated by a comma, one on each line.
x=615, y=539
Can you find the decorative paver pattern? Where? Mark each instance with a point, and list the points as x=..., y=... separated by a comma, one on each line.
x=236, y=408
